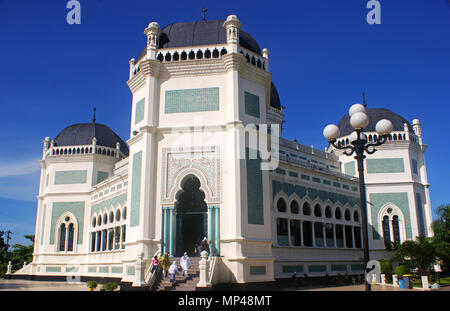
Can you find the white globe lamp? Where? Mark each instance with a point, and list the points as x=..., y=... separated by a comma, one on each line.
x=356, y=108
x=331, y=132
x=384, y=127
x=359, y=120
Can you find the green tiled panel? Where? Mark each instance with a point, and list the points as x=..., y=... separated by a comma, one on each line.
x=136, y=189
x=357, y=267
x=52, y=269
x=251, y=105
x=192, y=100
x=103, y=269
x=393, y=165
x=338, y=268
x=257, y=270
x=130, y=270
x=116, y=270
x=76, y=208
x=317, y=268
x=139, y=112
x=292, y=269
x=350, y=168
x=414, y=167
x=71, y=269
x=303, y=192
x=255, y=205
x=92, y=269
x=70, y=177
x=101, y=176
x=378, y=200
x=419, y=213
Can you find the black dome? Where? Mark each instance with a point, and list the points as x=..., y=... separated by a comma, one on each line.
x=201, y=33
x=274, y=97
x=375, y=115
x=82, y=134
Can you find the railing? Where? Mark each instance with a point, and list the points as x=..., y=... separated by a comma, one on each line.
x=151, y=277
x=81, y=150
x=214, y=270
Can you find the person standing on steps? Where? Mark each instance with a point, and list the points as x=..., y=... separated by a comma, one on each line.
x=165, y=263
x=185, y=263
x=172, y=272
x=205, y=245
x=155, y=263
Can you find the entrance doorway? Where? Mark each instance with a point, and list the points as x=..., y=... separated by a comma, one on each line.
x=191, y=216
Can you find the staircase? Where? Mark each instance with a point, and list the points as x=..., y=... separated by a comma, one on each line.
x=180, y=283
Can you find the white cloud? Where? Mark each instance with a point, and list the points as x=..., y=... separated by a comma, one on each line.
x=19, y=168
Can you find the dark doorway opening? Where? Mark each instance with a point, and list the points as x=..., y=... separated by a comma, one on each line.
x=191, y=216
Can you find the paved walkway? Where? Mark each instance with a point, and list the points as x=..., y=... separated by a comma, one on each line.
x=27, y=285
x=361, y=287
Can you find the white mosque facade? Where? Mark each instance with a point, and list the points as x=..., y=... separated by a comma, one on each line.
x=106, y=207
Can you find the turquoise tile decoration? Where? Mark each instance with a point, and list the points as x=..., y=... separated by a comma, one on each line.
x=350, y=168
x=357, y=267
x=392, y=165
x=130, y=270
x=70, y=177
x=116, y=270
x=136, y=189
x=192, y=100
x=59, y=208
x=414, y=167
x=52, y=269
x=257, y=270
x=251, y=105
x=292, y=269
x=419, y=213
x=103, y=269
x=92, y=269
x=139, y=112
x=335, y=268
x=378, y=200
x=71, y=269
x=312, y=194
x=118, y=200
x=101, y=176
x=317, y=268
x=255, y=204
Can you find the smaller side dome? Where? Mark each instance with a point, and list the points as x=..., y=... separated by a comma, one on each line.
x=83, y=133
x=274, y=97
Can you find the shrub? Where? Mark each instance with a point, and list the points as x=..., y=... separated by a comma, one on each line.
x=401, y=271
x=110, y=286
x=92, y=284
x=386, y=269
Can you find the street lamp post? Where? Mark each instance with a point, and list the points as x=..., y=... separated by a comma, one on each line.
x=358, y=145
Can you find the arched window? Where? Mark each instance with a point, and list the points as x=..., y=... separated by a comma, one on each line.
x=317, y=211
x=294, y=207
x=396, y=229
x=337, y=213
x=386, y=231
x=66, y=235
x=347, y=214
x=94, y=222
x=111, y=217
x=124, y=213
x=306, y=209
x=328, y=212
x=118, y=215
x=99, y=222
x=105, y=219
x=281, y=205
x=356, y=216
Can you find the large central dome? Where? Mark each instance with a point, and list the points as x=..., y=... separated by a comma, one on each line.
x=202, y=33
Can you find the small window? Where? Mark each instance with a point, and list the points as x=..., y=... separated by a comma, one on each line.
x=356, y=216
x=317, y=211
x=94, y=222
x=118, y=215
x=347, y=214
x=328, y=212
x=281, y=206
x=294, y=207
x=306, y=209
x=337, y=213
x=105, y=219
x=111, y=217
x=124, y=213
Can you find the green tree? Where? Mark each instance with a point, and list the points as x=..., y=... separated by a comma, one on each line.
x=22, y=253
x=441, y=240
x=420, y=254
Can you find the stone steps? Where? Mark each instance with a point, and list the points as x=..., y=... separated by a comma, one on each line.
x=182, y=284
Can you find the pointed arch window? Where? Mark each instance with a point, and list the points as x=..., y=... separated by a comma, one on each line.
x=66, y=235
x=395, y=229
x=386, y=231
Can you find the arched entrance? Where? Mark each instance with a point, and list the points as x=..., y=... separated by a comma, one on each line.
x=191, y=212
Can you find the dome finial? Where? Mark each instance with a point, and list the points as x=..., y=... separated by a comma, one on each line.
x=364, y=100
x=93, y=119
x=204, y=12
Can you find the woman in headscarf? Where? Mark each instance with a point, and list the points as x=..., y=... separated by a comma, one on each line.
x=165, y=263
x=185, y=263
x=172, y=272
x=205, y=245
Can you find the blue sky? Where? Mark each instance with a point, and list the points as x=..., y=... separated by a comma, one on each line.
x=323, y=54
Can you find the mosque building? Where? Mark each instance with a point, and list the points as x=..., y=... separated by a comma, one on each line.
x=106, y=206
